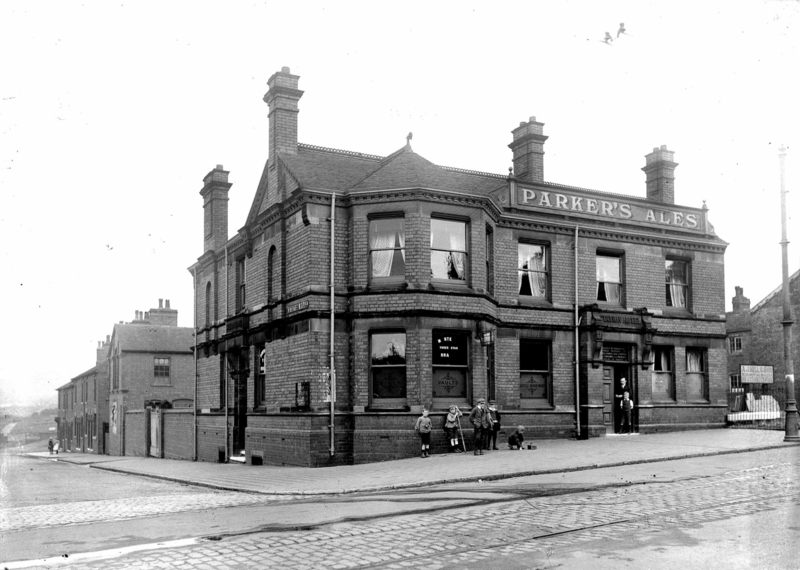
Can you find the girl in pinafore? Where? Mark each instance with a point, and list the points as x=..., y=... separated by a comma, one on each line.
x=451, y=428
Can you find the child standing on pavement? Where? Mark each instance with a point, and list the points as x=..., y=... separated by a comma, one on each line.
x=627, y=407
x=491, y=435
x=451, y=428
x=423, y=427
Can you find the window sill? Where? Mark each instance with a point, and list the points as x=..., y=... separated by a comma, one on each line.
x=533, y=405
x=676, y=312
x=525, y=301
x=387, y=408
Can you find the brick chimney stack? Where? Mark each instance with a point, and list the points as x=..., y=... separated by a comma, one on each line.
x=215, y=209
x=163, y=315
x=528, y=149
x=660, y=170
x=282, y=99
x=740, y=303
x=102, y=351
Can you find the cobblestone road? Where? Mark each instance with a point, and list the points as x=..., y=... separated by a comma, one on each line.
x=539, y=526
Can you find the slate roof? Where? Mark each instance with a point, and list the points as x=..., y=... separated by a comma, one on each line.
x=776, y=292
x=152, y=338
x=329, y=169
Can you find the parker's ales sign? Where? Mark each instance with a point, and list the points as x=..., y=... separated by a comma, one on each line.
x=613, y=207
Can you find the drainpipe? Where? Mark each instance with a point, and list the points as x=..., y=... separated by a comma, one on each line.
x=194, y=396
x=577, y=348
x=333, y=363
x=227, y=371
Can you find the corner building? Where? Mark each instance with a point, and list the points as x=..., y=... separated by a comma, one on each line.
x=449, y=285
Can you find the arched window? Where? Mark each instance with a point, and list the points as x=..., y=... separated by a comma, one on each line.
x=208, y=304
x=271, y=275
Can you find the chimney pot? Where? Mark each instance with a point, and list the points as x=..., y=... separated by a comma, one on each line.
x=167, y=303
x=532, y=119
x=108, y=338
x=160, y=303
x=285, y=69
x=660, y=171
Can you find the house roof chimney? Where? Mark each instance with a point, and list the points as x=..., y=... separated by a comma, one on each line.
x=740, y=302
x=528, y=151
x=282, y=98
x=660, y=170
x=215, y=209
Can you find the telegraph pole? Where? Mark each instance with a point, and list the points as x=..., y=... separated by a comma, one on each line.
x=788, y=357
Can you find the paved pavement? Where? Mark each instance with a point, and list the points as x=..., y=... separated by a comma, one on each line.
x=551, y=456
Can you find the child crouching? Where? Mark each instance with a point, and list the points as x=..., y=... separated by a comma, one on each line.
x=516, y=438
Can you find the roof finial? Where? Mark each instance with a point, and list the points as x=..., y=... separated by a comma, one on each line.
x=409, y=136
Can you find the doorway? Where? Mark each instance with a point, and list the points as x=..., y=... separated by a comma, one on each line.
x=616, y=366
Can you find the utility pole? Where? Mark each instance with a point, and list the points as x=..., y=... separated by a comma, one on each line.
x=788, y=357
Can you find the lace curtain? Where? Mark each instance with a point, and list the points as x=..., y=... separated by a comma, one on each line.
x=694, y=361
x=533, y=269
x=386, y=242
x=676, y=284
x=608, y=282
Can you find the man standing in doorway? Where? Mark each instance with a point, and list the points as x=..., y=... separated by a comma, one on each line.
x=476, y=418
x=619, y=395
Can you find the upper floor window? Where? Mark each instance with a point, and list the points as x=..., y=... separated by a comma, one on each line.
x=241, y=283
x=271, y=274
x=489, y=260
x=696, y=379
x=532, y=270
x=736, y=383
x=609, y=279
x=387, y=241
x=388, y=369
x=448, y=249
x=208, y=304
x=161, y=371
x=663, y=379
x=734, y=344
x=677, y=283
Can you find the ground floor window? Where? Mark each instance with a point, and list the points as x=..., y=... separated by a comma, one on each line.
x=696, y=379
x=261, y=374
x=388, y=369
x=535, y=374
x=663, y=378
x=736, y=383
x=450, y=359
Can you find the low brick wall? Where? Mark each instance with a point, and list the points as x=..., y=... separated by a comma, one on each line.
x=135, y=433
x=210, y=436
x=677, y=417
x=178, y=434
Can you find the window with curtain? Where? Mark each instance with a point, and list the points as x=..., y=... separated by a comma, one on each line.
x=535, y=385
x=388, y=369
x=387, y=241
x=677, y=283
x=663, y=377
x=696, y=380
x=609, y=279
x=532, y=271
x=448, y=250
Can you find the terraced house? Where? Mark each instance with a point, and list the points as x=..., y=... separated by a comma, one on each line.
x=430, y=286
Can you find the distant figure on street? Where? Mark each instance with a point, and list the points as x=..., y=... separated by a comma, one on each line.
x=56, y=446
x=451, y=424
x=491, y=436
x=479, y=421
x=50, y=446
x=423, y=427
x=516, y=438
x=627, y=407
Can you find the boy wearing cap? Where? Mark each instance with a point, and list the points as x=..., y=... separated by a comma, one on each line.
x=491, y=434
x=477, y=418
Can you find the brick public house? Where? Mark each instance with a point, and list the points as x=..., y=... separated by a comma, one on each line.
x=449, y=285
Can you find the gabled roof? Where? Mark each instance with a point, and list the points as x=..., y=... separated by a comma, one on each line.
x=777, y=291
x=153, y=338
x=317, y=167
x=92, y=370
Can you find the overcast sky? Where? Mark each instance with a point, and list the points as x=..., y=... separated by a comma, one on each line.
x=111, y=113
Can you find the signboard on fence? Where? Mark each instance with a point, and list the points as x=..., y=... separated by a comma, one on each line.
x=752, y=374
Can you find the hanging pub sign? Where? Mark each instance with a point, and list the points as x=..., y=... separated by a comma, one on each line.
x=450, y=348
x=752, y=374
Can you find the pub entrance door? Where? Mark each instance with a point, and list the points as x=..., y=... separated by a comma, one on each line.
x=616, y=366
